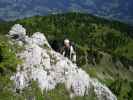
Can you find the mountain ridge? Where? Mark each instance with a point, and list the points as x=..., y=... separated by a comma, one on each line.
x=120, y=9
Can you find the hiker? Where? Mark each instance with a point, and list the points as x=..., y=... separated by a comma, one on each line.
x=68, y=51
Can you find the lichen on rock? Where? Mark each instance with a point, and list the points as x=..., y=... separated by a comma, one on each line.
x=50, y=68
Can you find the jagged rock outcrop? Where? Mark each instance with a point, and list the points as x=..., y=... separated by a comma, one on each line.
x=49, y=68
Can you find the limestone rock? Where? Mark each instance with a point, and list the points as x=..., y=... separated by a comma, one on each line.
x=18, y=31
x=49, y=68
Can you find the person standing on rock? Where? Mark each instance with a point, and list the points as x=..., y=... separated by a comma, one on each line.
x=68, y=51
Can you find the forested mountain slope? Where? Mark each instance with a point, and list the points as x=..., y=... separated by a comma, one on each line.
x=103, y=47
x=111, y=9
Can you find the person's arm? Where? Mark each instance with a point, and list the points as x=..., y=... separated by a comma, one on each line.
x=73, y=55
x=62, y=51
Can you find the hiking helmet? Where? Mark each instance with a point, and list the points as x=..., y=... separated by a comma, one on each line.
x=66, y=41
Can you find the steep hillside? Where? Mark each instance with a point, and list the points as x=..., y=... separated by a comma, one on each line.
x=104, y=48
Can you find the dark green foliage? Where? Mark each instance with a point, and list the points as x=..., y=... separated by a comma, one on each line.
x=8, y=64
x=83, y=29
x=6, y=92
x=81, y=59
x=8, y=59
x=122, y=88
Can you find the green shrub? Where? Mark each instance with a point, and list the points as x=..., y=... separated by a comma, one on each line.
x=8, y=59
x=121, y=88
x=92, y=72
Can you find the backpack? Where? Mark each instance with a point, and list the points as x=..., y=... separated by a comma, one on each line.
x=67, y=52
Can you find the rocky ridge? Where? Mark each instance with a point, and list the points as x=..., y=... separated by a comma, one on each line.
x=49, y=68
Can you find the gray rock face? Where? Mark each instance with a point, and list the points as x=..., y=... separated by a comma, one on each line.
x=49, y=68
x=17, y=30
